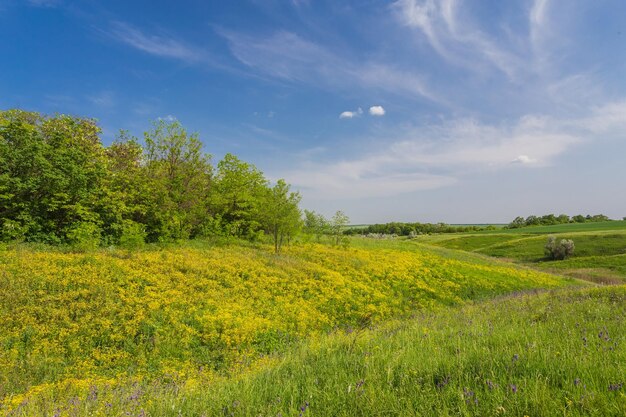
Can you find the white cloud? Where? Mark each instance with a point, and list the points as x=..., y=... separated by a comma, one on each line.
x=377, y=111
x=523, y=159
x=152, y=44
x=351, y=114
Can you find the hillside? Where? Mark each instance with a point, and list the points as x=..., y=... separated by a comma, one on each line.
x=72, y=320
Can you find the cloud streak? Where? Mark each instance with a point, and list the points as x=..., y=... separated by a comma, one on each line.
x=160, y=46
x=288, y=56
x=453, y=36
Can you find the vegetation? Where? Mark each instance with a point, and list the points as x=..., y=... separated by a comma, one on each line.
x=60, y=185
x=557, y=353
x=551, y=219
x=559, y=250
x=413, y=229
x=600, y=254
x=114, y=314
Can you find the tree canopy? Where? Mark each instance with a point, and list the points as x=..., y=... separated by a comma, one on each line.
x=60, y=184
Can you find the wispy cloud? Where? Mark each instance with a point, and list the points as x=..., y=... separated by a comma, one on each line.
x=435, y=156
x=161, y=46
x=286, y=55
x=455, y=38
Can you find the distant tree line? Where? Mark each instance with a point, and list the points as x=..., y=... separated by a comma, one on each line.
x=410, y=229
x=60, y=185
x=551, y=219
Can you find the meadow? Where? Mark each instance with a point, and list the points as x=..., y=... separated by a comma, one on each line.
x=600, y=253
x=73, y=322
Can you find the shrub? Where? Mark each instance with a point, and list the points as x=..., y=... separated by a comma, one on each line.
x=12, y=230
x=559, y=250
x=133, y=235
x=84, y=236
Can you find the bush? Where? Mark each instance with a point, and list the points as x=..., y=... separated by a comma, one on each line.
x=12, y=230
x=559, y=250
x=133, y=235
x=84, y=236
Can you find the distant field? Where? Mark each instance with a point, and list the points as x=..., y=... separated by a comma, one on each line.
x=599, y=254
x=568, y=227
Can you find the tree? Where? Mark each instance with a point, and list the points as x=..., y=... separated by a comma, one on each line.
x=51, y=175
x=179, y=174
x=337, y=225
x=517, y=223
x=236, y=195
x=316, y=224
x=281, y=215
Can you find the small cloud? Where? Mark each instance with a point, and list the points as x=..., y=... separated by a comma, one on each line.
x=271, y=114
x=523, y=159
x=377, y=111
x=351, y=114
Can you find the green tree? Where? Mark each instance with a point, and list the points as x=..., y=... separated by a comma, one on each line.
x=281, y=216
x=316, y=224
x=179, y=175
x=236, y=196
x=51, y=174
x=338, y=223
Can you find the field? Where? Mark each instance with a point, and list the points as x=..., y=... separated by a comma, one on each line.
x=600, y=253
x=389, y=327
x=112, y=314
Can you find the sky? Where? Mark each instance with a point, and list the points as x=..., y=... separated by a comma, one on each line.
x=459, y=111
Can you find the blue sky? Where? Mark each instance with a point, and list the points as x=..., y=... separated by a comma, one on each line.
x=411, y=110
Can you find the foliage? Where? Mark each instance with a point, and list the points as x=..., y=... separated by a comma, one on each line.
x=133, y=235
x=413, y=229
x=84, y=236
x=551, y=219
x=282, y=217
x=57, y=180
x=338, y=224
x=559, y=250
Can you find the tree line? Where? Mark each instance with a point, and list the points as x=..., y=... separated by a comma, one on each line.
x=60, y=185
x=412, y=229
x=551, y=219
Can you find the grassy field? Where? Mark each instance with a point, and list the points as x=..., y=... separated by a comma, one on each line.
x=72, y=320
x=558, y=353
x=568, y=227
x=600, y=253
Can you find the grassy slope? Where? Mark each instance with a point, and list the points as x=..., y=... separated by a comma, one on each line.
x=548, y=354
x=600, y=253
x=195, y=311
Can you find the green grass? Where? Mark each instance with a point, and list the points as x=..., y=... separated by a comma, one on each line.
x=560, y=353
x=596, y=257
x=568, y=227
